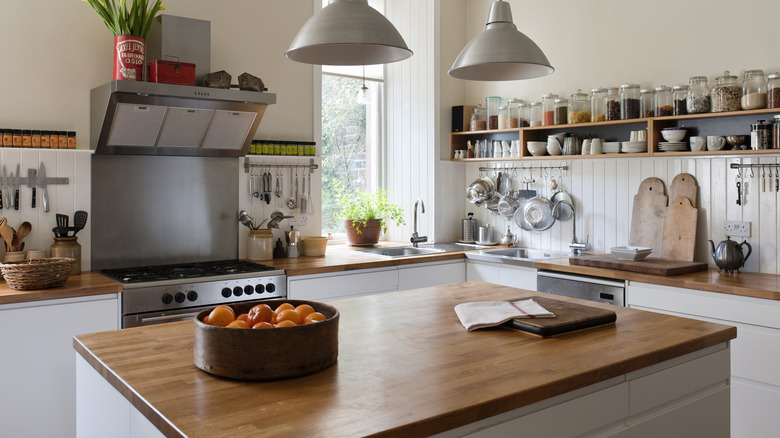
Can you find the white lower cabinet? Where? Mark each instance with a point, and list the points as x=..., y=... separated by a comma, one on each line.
x=37, y=370
x=506, y=275
x=431, y=274
x=755, y=374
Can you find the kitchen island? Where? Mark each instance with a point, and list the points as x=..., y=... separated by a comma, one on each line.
x=407, y=367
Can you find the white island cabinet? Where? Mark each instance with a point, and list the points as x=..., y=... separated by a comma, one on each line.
x=755, y=362
x=38, y=371
x=499, y=273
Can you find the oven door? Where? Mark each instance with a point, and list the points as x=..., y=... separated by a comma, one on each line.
x=152, y=318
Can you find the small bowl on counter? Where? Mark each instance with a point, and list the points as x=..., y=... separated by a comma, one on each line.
x=314, y=246
x=631, y=253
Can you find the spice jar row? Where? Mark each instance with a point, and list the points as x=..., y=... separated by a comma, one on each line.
x=33, y=138
x=287, y=148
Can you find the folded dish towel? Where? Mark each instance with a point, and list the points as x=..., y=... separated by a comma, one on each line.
x=482, y=314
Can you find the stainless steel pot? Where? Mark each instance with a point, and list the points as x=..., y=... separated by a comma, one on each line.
x=480, y=190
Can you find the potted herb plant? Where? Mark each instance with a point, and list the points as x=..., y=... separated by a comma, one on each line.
x=130, y=21
x=366, y=215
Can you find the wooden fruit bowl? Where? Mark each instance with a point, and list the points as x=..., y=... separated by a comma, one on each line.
x=268, y=354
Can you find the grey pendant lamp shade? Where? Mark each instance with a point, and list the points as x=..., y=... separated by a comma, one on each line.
x=500, y=52
x=348, y=32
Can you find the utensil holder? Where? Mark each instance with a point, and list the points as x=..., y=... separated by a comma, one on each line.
x=68, y=247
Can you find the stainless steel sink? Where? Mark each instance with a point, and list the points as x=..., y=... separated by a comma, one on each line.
x=430, y=248
x=515, y=256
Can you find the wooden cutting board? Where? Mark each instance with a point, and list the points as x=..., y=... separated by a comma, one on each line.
x=648, y=214
x=684, y=184
x=650, y=265
x=679, y=230
x=568, y=317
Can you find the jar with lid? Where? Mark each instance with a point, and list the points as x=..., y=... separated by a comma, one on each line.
x=260, y=245
x=773, y=91
x=503, y=117
x=68, y=247
x=776, y=132
x=726, y=93
x=698, y=99
x=753, y=90
x=647, y=102
x=536, y=113
x=478, y=119
x=598, y=112
x=492, y=103
x=548, y=109
x=579, y=108
x=679, y=98
x=561, y=114
x=760, y=135
x=629, y=101
x=513, y=112
x=523, y=115
x=612, y=104
x=663, y=101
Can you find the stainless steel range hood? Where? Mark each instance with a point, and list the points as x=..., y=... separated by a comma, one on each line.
x=145, y=118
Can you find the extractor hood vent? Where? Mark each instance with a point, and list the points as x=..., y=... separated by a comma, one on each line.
x=145, y=118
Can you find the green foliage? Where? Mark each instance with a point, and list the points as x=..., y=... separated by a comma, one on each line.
x=363, y=206
x=127, y=17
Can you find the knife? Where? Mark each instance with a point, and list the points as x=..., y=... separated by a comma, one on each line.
x=11, y=191
x=2, y=186
x=42, y=185
x=16, y=188
x=31, y=173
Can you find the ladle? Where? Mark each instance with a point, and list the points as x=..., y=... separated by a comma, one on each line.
x=292, y=203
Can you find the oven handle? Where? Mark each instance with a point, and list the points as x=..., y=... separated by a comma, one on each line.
x=600, y=281
x=168, y=318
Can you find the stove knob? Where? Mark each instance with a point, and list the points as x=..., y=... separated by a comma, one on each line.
x=192, y=295
x=270, y=288
x=259, y=288
x=179, y=297
x=226, y=292
x=249, y=290
x=238, y=291
x=167, y=298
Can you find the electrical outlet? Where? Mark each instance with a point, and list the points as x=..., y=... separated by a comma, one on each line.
x=299, y=220
x=736, y=228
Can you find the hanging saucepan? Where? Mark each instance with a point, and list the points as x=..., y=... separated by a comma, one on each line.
x=480, y=190
x=536, y=214
x=564, y=212
x=492, y=203
x=508, y=203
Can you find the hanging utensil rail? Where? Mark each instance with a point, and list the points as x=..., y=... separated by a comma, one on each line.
x=311, y=166
x=562, y=166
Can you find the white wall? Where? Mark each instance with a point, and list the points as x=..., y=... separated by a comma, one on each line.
x=608, y=43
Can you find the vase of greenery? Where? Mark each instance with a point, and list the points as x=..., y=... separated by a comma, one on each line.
x=130, y=21
x=366, y=215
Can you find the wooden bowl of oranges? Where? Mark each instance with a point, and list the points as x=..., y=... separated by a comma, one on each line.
x=276, y=339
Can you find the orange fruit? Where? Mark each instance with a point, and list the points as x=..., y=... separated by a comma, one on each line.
x=221, y=316
x=260, y=313
x=238, y=323
x=206, y=319
x=284, y=306
x=229, y=309
x=314, y=317
x=243, y=317
x=262, y=325
x=286, y=323
x=303, y=310
x=288, y=315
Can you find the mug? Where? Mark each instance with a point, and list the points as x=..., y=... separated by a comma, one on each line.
x=641, y=135
x=698, y=143
x=715, y=142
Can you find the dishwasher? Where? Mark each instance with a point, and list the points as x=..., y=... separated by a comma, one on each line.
x=603, y=290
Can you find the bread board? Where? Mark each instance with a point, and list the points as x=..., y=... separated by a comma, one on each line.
x=650, y=265
x=647, y=214
x=568, y=317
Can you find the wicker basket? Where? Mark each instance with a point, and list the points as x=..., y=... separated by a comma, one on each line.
x=38, y=273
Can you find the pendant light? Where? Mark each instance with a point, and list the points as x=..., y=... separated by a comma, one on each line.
x=500, y=52
x=348, y=32
x=364, y=94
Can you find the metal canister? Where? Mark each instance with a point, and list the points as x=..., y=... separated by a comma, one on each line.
x=760, y=135
x=469, y=228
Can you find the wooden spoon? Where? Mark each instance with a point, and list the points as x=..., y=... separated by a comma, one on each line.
x=24, y=230
x=8, y=235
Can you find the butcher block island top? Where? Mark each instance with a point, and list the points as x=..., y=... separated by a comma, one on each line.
x=406, y=367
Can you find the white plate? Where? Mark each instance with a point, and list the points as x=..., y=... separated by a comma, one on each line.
x=631, y=248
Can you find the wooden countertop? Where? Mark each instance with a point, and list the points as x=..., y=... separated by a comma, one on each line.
x=406, y=367
x=85, y=284
x=748, y=284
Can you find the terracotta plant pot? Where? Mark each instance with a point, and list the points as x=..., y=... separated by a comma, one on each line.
x=363, y=233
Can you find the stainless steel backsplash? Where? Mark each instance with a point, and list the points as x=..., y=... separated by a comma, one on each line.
x=151, y=210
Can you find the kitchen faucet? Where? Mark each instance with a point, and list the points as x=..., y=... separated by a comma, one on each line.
x=576, y=247
x=415, y=237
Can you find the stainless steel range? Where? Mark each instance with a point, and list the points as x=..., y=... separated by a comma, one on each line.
x=167, y=293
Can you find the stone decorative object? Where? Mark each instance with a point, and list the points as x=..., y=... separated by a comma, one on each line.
x=248, y=82
x=220, y=79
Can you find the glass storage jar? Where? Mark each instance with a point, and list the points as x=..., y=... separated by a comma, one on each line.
x=503, y=117
x=492, y=103
x=68, y=247
x=536, y=113
x=513, y=112
x=776, y=132
x=679, y=97
x=478, y=119
x=773, y=91
x=647, y=102
x=612, y=104
x=726, y=93
x=561, y=114
x=598, y=112
x=579, y=108
x=629, y=101
x=753, y=90
x=548, y=109
x=663, y=101
x=523, y=115
x=698, y=99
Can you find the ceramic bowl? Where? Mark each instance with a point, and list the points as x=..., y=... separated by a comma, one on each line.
x=673, y=134
x=537, y=148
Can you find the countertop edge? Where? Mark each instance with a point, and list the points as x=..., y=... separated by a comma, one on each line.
x=82, y=285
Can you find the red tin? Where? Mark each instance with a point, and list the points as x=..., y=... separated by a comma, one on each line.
x=129, y=54
x=172, y=72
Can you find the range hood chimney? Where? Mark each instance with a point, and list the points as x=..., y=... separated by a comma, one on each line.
x=145, y=118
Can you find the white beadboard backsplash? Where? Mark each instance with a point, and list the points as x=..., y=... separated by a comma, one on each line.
x=603, y=191
x=64, y=198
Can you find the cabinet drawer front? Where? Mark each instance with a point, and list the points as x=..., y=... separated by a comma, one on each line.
x=331, y=287
x=430, y=275
x=482, y=272
x=756, y=354
x=523, y=278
